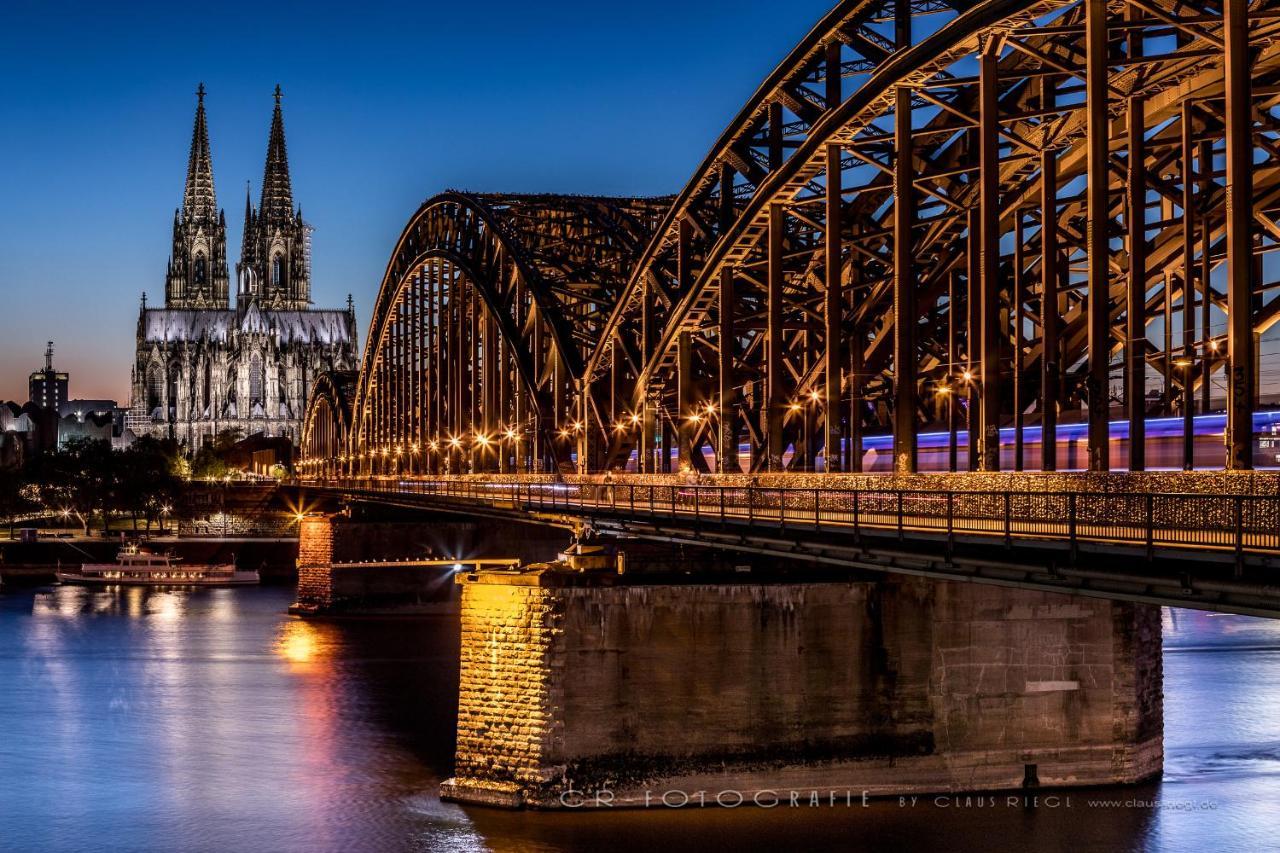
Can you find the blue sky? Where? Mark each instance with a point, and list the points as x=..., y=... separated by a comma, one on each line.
x=385, y=105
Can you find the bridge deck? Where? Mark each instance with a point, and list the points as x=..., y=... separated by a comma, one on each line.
x=1236, y=524
x=1210, y=551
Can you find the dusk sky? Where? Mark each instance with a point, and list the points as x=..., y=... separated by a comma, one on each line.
x=385, y=104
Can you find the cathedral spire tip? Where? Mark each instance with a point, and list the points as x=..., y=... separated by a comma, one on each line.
x=200, y=92
x=278, y=94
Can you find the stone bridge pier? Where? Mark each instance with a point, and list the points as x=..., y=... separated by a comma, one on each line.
x=584, y=689
x=371, y=562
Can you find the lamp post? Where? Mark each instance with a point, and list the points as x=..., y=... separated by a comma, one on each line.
x=810, y=424
x=974, y=386
x=454, y=445
x=1185, y=364
x=511, y=444
x=947, y=393
x=481, y=442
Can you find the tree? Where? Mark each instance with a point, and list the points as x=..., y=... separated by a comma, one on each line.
x=143, y=482
x=14, y=499
x=77, y=477
x=210, y=461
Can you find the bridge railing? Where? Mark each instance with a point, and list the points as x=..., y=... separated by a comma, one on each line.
x=1239, y=523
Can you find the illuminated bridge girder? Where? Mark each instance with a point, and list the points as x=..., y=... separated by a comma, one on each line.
x=327, y=424
x=931, y=216
x=481, y=329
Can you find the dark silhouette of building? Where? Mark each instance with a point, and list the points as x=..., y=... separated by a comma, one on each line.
x=48, y=387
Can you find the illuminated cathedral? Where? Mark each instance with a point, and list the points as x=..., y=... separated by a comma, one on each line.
x=202, y=365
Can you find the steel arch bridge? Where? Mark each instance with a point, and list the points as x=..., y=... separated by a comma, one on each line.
x=1039, y=217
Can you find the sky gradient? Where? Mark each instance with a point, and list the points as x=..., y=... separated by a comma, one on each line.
x=385, y=104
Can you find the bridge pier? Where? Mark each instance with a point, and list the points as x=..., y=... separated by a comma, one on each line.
x=599, y=689
x=348, y=565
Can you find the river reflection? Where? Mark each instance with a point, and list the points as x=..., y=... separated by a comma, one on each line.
x=201, y=720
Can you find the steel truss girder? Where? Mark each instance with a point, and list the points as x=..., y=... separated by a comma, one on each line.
x=1064, y=222
x=738, y=239
x=482, y=324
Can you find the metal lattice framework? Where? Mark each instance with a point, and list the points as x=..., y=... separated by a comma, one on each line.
x=487, y=314
x=327, y=425
x=933, y=215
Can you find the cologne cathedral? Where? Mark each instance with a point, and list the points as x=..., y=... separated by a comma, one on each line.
x=204, y=366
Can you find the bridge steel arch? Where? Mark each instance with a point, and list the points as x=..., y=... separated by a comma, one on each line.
x=956, y=216
x=327, y=424
x=481, y=328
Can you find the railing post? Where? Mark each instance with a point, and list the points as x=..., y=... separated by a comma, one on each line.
x=631, y=494
x=900, y=534
x=857, y=529
x=721, y=506
x=1071, y=524
x=751, y=506
x=1151, y=527
x=816, y=513
x=697, y=508
x=782, y=509
x=1008, y=523
x=951, y=532
x=1239, y=520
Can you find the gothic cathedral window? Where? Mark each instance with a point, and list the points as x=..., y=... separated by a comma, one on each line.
x=155, y=388
x=255, y=379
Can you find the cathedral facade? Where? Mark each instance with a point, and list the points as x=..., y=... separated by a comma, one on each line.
x=203, y=365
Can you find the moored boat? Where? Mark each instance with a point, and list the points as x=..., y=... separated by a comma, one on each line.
x=134, y=567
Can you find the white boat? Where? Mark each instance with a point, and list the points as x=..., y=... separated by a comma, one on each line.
x=136, y=568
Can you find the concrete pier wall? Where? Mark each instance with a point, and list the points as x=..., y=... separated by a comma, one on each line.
x=598, y=691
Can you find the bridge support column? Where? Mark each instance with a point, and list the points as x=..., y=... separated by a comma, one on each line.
x=586, y=689
x=315, y=561
x=1241, y=272
x=376, y=566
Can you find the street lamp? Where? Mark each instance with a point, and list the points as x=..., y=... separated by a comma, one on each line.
x=1185, y=363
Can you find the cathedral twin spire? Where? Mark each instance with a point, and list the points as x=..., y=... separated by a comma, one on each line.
x=197, y=275
x=274, y=263
x=275, y=257
x=198, y=200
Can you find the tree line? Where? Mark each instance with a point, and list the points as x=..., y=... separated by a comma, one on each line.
x=85, y=479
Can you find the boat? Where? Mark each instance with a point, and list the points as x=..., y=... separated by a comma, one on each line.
x=134, y=567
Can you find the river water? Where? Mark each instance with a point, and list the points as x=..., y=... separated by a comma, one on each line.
x=208, y=721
